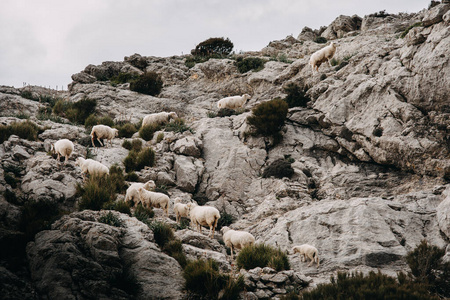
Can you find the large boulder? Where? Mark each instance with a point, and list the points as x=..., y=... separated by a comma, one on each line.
x=340, y=26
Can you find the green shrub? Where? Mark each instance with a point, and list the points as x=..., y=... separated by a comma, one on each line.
x=148, y=83
x=111, y=219
x=23, y=116
x=82, y=109
x=37, y=216
x=28, y=95
x=136, y=145
x=320, y=40
x=126, y=144
x=250, y=63
x=162, y=233
x=204, y=281
x=226, y=112
x=90, y=121
x=25, y=130
x=95, y=192
x=126, y=130
x=372, y=286
x=160, y=137
x=146, y=132
x=117, y=179
x=132, y=176
x=174, y=248
x=226, y=219
x=405, y=32
x=145, y=157
x=143, y=214
x=162, y=189
x=120, y=206
x=106, y=120
x=296, y=96
x=279, y=168
x=177, y=125
x=268, y=117
x=130, y=161
x=262, y=255
x=427, y=267
x=213, y=47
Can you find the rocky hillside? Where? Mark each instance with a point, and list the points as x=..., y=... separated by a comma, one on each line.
x=370, y=152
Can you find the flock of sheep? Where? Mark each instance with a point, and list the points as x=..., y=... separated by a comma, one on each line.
x=142, y=193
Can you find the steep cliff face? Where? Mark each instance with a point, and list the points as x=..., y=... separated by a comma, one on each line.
x=371, y=158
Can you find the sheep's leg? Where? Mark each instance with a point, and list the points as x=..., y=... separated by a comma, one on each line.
x=100, y=142
x=231, y=247
x=92, y=140
x=67, y=158
x=312, y=260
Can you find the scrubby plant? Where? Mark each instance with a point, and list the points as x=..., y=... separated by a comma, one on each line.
x=372, y=286
x=201, y=199
x=226, y=219
x=25, y=130
x=226, y=112
x=213, y=47
x=111, y=219
x=160, y=137
x=174, y=248
x=76, y=112
x=279, y=168
x=250, y=64
x=146, y=132
x=137, y=160
x=162, y=189
x=178, y=125
x=262, y=255
x=203, y=280
x=117, y=178
x=136, y=145
x=90, y=121
x=428, y=268
x=95, y=192
x=123, y=78
x=120, y=206
x=405, y=32
x=296, y=96
x=126, y=130
x=149, y=83
x=162, y=233
x=37, y=216
x=320, y=40
x=28, y=95
x=143, y=214
x=126, y=144
x=268, y=118
x=132, y=176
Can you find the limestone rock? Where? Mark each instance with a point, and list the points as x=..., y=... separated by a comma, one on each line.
x=435, y=14
x=189, y=146
x=443, y=216
x=188, y=172
x=342, y=25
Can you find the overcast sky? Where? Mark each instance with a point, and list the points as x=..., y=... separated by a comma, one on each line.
x=44, y=42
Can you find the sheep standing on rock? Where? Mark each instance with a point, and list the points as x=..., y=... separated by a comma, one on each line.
x=206, y=216
x=181, y=210
x=62, y=147
x=103, y=132
x=132, y=193
x=94, y=168
x=154, y=199
x=309, y=251
x=237, y=239
x=233, y=102
x=321, y=56
x=158, y=118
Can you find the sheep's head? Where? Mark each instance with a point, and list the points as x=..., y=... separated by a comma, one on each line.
x=246, y=96
x=79, y=161
x=173, y=115
x=224, y=229
x=116, y=132
x=150, y=185
x=52, y=148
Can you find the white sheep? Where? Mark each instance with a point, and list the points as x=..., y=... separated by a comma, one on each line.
x=206, y=216
x=158, y=118
x=236, y=238
x=322, y=55
x=154, y=199
x=307, y=251
x=181, y=210
x=233, y=102
x=103, y=132
x=92, y=167
x=132, y=193
x=62, y=147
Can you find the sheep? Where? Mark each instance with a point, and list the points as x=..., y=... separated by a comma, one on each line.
x=158, y=118
x=103, y=132
x=92, y=167
x=154, y=199
x=206, y=216
x=132, y=192
x=236, y=238
x=321, y=56
x=233, y=102
x=309, y=251
x=62, y=147
x=181, y=210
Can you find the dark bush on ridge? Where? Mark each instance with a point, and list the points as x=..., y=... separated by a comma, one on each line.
x=126, y=130
x=250, y=63
x=37, y=216
x=24, y=130
x=262, y=255
x=213, y=46
x=95, y=192
x=149, y=83
x=296, y=96
x=279, y=168
x=146, y=132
